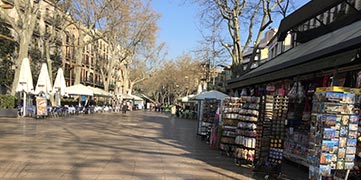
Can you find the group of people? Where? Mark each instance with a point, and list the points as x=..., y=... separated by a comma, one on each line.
x=157, y=107
x=123, y=106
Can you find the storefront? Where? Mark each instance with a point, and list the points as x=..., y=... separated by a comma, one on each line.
x=208, y=117
x=287, y=87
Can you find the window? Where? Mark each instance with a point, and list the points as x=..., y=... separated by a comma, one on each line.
x=276, y=49
x=358, y=4
x=90, y=77
x=327, y=17
x=67, y=39
x=332, y=14
x=82, y=74
x=293, y=40
x=321, y=17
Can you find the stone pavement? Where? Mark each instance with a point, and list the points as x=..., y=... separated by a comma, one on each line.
x=111, y=146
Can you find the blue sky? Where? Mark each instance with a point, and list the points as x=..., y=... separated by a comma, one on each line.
x=179, y=25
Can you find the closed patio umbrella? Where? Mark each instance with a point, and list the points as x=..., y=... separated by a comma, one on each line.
x=59, y=86
x=25, y=83
x=43, y=85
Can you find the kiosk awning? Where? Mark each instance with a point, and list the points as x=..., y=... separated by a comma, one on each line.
x=306, y=12
x=330, y=50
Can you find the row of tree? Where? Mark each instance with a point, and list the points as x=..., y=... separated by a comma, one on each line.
x=237, y=26
x=173, y=79
x=229, y=29
x=128, y=26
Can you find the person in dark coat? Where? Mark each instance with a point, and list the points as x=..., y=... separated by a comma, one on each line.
x=124, y=108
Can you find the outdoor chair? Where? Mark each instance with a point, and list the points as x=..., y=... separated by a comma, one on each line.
x=52, y=112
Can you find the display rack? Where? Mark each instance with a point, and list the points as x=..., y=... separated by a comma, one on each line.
x=242, y=128
x=230, y=119
x=333, y=131
x=264, y=128
x=247, y=131
x=208, y=117
x=278, y=121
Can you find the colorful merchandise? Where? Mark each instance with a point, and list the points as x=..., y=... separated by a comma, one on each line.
x=240, y=122
x=334, y=126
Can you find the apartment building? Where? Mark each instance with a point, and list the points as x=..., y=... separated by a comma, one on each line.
x=262, y=53
x=92, y=52
x=64, y=44
x=276, y=47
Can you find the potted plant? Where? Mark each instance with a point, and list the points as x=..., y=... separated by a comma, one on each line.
x=7, y=106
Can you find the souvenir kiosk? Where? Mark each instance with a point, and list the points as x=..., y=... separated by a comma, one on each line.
x=209, y=114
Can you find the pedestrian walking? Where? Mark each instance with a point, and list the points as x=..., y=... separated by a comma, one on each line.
x=124, y=108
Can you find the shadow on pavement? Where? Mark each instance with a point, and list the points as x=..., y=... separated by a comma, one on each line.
x=183, y=131
x=111, y=146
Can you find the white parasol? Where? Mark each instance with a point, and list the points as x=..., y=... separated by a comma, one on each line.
x=99, y=92
x=25, y=78
x=43, y=85
x=59, y=83
x=213, y=94
x=59, y=87
x=79, y=89
x=25, y=83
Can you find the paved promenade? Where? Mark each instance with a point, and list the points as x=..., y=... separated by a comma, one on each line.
x=110, y=146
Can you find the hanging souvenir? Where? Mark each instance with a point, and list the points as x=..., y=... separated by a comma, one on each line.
x=282, y=90
x=244, y=92
x=306, y=114
x=300, y=92
x=292, y=94
x=358, y=80
x=270, y=87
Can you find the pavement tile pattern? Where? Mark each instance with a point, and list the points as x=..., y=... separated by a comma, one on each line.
x=111, y=146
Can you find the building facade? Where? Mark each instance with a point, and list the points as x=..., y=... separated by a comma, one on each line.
x=62, y=41
x=262, y=53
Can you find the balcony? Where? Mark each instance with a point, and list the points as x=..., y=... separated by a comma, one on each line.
x=49, y=19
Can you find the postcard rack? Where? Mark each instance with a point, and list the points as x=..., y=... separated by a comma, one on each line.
x=333, y=131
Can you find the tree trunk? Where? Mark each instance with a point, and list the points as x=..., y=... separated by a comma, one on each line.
x=50, y=68
x=23, y=53
x=237, y=42
x=48, y=60
x=78, y=62
x=106, y=85
x=78, y=57
x=131, y=85
x=156, y=96
x=126, y=80
x=109, y=74
x=163, y=98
